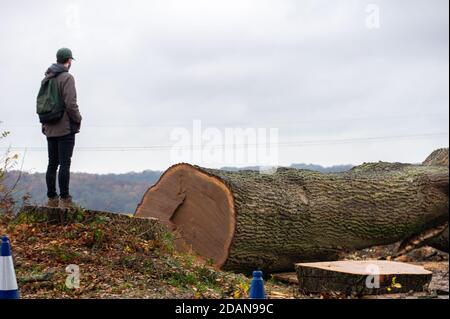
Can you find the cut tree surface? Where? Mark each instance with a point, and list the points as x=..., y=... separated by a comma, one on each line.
x=247, y=220
x=362, y=277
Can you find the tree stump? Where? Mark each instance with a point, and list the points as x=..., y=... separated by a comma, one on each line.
x=361, y=277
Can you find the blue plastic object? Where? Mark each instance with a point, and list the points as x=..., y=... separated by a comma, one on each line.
x=257, y=286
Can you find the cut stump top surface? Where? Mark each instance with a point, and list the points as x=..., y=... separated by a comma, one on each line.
x=367, y=267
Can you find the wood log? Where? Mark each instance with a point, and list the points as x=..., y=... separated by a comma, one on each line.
x=64, y=216
x=439, y=242
x=438, y=158
x=247, y=220
x=361, y=277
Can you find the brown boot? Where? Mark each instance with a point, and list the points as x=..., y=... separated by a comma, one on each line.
x=66, y=202
x=53, y=202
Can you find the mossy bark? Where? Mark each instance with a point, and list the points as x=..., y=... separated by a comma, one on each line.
x=301, y=215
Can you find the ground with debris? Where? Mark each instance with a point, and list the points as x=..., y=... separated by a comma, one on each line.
x=117, y=260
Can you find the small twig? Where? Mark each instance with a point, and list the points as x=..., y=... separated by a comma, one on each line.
x=20, y=172
x=145, y=232
x=48, y=276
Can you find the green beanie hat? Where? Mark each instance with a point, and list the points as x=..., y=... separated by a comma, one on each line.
x=63, y=55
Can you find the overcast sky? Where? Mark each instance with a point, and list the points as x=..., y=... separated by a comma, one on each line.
x=343, y=81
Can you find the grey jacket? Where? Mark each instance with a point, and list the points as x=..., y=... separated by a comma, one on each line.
x=71, y=120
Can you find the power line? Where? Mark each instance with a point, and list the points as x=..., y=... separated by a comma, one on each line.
x=234, y=124
x=245, y=145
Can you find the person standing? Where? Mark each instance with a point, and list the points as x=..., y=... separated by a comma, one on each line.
x=61, y=134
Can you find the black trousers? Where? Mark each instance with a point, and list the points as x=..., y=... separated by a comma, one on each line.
x=60, y=150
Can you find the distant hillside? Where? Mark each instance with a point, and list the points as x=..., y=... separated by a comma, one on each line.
x=108, y=192
x=113, y=192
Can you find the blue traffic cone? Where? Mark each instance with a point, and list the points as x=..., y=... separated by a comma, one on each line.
x=257, y=286
x=8, y=281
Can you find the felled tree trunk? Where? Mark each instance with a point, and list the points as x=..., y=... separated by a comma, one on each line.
x=247, y=220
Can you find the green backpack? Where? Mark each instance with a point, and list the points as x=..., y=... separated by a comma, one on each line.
x=50, y=106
